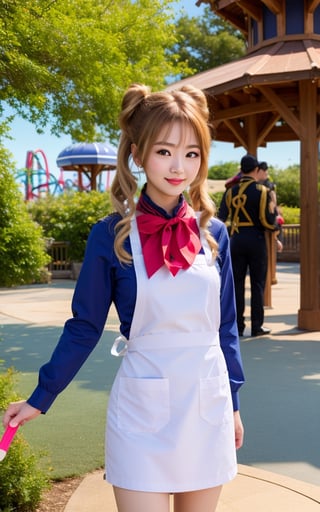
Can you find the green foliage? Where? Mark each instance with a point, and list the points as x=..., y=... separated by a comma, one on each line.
x=22, y=247
x=287, y=185
x=207, y=42
x=22, y=482
x=67, y=62
x=290, y=214
x=216, y=198
x=69, y=217
x=7, y=384
x=287, y=181
x=223, y=171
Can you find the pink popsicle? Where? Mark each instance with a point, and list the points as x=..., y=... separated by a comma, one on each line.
x=6, y=440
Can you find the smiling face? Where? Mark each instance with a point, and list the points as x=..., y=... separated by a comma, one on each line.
x=172, y=164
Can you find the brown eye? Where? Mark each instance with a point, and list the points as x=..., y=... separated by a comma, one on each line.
x=193, y=154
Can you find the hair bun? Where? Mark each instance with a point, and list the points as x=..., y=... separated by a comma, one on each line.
x=134, y=95
x=199, y=97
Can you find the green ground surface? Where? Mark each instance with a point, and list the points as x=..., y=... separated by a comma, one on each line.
x=72, y=433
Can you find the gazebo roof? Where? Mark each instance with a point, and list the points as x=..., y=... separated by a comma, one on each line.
x=279, y=62
x=264, y=83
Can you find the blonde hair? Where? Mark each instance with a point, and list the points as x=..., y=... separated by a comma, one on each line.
x=142, y=116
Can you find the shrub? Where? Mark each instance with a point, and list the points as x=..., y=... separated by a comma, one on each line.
x=69, y=217
x=223, y=171
x=290, y=215
x=22, y=482
x=22, y=246
x=288, y=186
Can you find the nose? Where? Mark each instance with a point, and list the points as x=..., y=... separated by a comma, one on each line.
x=177, y=166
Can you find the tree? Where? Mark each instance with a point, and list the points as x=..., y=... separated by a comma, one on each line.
x=223, y=171
x=67, y=62
x=288, y=185
x=22, y=247
x=207, y=42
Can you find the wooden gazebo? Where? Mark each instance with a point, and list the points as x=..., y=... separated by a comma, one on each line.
x=272, y=95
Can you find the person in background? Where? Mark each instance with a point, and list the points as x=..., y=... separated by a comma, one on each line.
x=173, y=422
x=265, y=180
x=230, y=182
x=250, y=210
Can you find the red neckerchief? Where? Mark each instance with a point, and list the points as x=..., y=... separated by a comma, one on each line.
x=173, y=242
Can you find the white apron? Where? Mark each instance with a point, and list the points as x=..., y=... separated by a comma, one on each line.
x=170, y=420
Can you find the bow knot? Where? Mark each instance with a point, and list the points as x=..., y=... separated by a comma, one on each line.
x=172, y=242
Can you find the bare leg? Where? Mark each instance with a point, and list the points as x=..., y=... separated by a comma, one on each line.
x=136, y=501
x=205, y=500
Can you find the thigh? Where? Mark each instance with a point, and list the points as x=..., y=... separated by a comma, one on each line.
x=239, y=259
x=136, y=501
x=205, y=500
x=258, y=263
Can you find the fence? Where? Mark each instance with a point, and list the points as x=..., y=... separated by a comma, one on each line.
x=291, y=243
x=60, y=265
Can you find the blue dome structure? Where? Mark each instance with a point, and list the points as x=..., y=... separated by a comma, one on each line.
x=89, y=158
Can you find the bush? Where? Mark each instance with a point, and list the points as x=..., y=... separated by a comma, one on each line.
x=22, y=482
x=288, y=186
x=22, y=246
x=223, y=171
x=69, y=217
x=290, y=215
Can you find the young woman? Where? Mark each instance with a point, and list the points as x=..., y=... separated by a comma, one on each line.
x=173, y=423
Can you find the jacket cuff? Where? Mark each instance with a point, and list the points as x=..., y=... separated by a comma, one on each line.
x=41, y=399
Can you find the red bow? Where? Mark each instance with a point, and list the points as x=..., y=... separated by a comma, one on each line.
x=172, y=242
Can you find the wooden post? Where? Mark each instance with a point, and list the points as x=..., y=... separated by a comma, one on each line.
x=270, y=250
x=309, y=312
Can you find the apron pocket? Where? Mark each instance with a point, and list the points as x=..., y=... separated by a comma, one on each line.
x=143, y=404
x=215, y=400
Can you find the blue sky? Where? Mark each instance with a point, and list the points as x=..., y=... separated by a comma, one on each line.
x=25, y=138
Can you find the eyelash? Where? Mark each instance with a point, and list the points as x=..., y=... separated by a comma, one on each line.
x=165, y=152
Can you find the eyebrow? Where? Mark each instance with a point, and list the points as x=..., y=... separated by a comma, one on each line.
x=166, y=143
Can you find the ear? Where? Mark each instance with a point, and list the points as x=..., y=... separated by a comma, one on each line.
x=134, y=152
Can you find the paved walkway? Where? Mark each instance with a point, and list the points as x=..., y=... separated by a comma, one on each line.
x=279, y=465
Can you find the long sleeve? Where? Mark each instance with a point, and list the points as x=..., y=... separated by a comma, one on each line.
x=223, y=212
x=94, y=292
x=229, y=339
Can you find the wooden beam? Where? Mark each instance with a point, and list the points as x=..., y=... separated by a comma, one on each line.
x=221, y=4
x=313, y=55
x=220, y=7
x=246, y=109
x=251, y=132
x=237, y=131
x=267, y=128
x=251, y=8
x=285, y=112
x=220, y=113
x=312, y=5
x=273, y=5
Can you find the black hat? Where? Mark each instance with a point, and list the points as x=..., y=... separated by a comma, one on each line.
x=248, y=163
x=263, y=166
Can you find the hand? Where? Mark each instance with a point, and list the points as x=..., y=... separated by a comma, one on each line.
x=18, y=413
x=238, y=430
x=279, y=246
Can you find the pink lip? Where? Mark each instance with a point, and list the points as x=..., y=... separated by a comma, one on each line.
x=174, y=181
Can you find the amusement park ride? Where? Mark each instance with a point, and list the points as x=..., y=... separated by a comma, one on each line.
x=91, y=164
x=36, y=179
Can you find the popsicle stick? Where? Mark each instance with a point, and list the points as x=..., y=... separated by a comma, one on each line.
x=6, y=440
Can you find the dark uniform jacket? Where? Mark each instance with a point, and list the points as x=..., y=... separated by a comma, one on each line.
x=239, y=205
